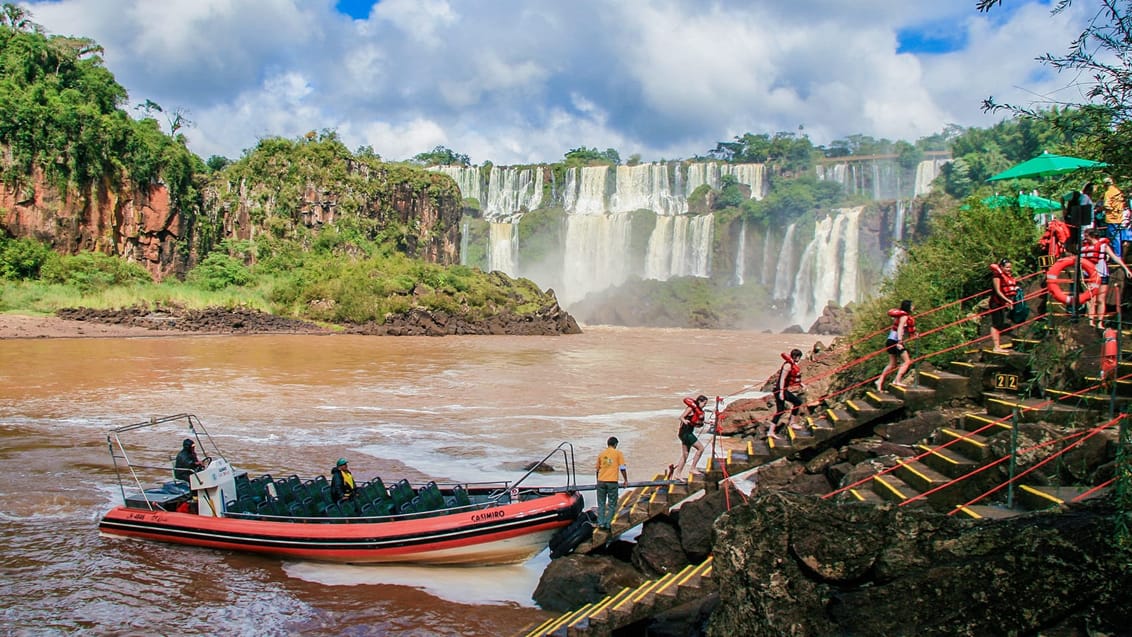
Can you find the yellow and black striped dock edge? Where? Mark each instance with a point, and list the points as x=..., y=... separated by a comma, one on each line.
x=624, y=599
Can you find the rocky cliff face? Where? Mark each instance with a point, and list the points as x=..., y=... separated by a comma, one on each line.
x=138, y=223
x=143, y=225
x=799, y=565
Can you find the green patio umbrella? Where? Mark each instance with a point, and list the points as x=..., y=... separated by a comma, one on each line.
x=1022, y=201
x=1046, y=165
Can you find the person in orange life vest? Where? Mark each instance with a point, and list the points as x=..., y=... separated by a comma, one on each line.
x=1003, y=290
x=789, y=376
x=609, y=463
x=342, y=483
x=1098, y=250
x=903, y=328
x=692, y=418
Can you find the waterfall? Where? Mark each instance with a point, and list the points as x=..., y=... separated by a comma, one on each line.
x=741, y=254
x=767, y=271
x=585, y=190
x=504, y=252
x=511, y=191
x=679, y=246
x=829, y=266
x=464, y=243
x=595, y=254
x=926, y=172
x=467, y=178
x=897, y=236
x=645, y=187
x=784, y=273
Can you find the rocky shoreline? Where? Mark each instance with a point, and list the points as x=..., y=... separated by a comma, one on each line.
x=172, y=321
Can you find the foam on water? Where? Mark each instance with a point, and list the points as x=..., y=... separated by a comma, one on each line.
x=506, y=584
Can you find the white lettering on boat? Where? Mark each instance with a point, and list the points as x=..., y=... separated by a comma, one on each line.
x=488, y=515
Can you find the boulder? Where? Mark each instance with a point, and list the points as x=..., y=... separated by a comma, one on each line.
x=576, y=580
x=658, y=549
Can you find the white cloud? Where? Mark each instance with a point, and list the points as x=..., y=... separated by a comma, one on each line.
x=516, y=82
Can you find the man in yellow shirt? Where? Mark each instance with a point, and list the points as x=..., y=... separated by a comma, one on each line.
x=609, y=463
x=1114, y=204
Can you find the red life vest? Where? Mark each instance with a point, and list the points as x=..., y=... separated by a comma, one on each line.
x=1054, y=238
x=696, y=418
x=793, y=375
x=1008, y=285
x=909, y=325
x=1094, y=250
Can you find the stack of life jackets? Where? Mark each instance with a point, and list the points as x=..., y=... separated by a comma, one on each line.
x=1053, y=239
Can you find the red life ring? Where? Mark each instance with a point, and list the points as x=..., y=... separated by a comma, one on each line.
x=1108, y=354
x=1053, y=283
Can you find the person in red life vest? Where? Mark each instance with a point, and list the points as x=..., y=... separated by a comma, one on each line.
x=1004, y=288
x=789, y=377
x=691, y=419
x=1097, y=250
x=903, y=328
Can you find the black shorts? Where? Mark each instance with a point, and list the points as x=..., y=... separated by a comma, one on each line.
x=998, y=318
x=894, y=347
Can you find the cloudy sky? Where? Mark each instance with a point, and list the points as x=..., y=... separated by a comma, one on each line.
x=525, y=81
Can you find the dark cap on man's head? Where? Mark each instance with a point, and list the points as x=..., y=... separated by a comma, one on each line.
x=188, y=443
x=341, y=461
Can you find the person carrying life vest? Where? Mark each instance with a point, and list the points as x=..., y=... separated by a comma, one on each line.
x=1097, y=250
x=1054, y=239
x=789, y=377
x=692, y=418
x=903, y=328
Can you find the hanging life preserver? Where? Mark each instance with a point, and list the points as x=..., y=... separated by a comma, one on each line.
x=1108, y=354
x=1053, y=281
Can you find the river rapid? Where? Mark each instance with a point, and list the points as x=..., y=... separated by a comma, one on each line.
x=455, y=408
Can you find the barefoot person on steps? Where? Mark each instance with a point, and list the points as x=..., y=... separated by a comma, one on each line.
x=789, y=377
x=903, y=328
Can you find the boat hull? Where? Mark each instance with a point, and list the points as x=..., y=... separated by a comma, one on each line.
x=497, y=535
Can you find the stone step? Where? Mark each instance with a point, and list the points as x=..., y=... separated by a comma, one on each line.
x=1036, y=498
x=987, y=512
x=1035, y=410
x=915, y=397
x=890, y=487
x=862, y=493
x=980, y=375
x=971, y=445
x=1092, y=400
x=947, y=460
x=1123, y=387
x=986, y=425
x=944, y=493
x=883, y=400
x=946, y=384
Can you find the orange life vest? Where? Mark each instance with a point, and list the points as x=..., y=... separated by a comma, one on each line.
x=793, y=376
x=696, y=418
x=1094, y=250
x=1008, y=285
x=1054, y=238
x=909, y=325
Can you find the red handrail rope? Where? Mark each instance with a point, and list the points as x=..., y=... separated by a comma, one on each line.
x=990, y=424
x=937, y=309
x=1084, y=436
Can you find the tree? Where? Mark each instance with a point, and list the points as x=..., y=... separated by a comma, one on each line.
x=1099, y=61
x=442, y=156
x=583, y=156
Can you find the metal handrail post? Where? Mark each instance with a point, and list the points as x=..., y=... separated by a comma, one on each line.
x=1013, y=458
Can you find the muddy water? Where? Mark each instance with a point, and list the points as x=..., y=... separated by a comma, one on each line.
x=452, y=408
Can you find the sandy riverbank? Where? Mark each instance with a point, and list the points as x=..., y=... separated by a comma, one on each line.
x=26, y=326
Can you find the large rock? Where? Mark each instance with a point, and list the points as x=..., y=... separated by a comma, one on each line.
x=576, y=580
x=804, y=566
x=658, y=549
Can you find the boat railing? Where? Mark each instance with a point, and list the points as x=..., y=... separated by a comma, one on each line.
x=567, y=451
x=128, y=471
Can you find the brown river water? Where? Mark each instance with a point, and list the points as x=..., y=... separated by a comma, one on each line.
x=457, y=408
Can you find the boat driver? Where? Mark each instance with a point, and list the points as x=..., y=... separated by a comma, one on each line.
x=187, y=462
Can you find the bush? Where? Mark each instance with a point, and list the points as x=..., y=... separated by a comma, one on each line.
x=89, y=271
x=22, y=259
x=219, y=271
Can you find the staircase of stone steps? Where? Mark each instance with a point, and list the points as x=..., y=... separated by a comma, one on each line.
x=961, y=449
x=631, y=605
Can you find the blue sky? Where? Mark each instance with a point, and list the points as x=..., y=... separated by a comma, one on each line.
x=515, y=81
